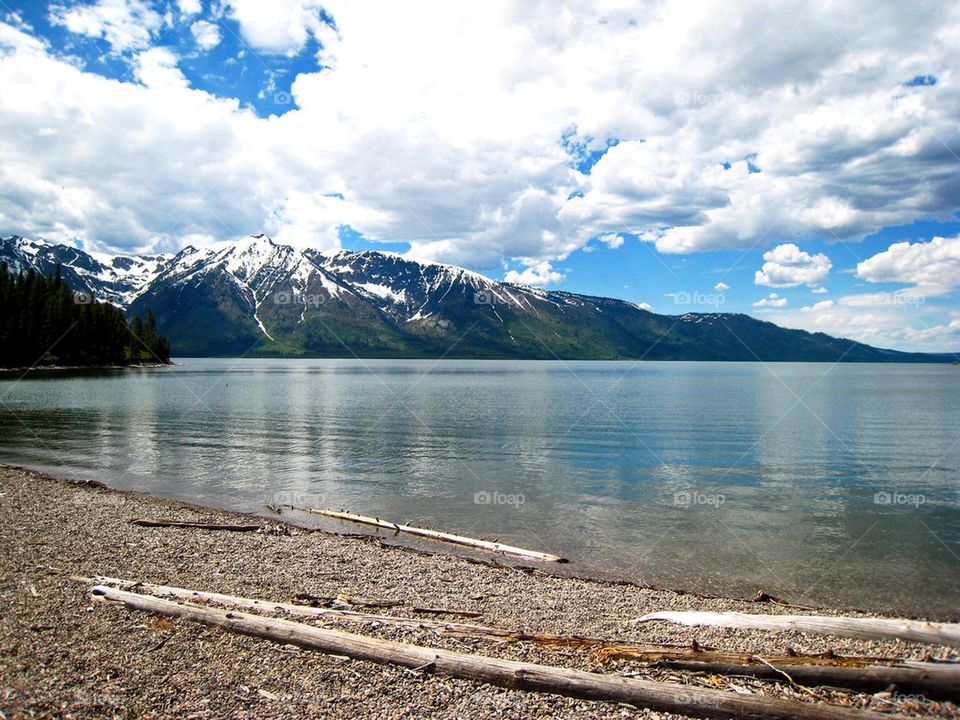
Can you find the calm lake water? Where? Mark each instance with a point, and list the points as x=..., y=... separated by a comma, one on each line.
x=821, y=484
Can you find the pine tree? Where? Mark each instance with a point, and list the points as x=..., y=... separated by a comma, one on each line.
x=41, y=323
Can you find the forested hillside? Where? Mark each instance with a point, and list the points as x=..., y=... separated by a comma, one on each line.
x=44, y=322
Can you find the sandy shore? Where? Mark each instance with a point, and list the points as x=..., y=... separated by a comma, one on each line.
x=62, y=657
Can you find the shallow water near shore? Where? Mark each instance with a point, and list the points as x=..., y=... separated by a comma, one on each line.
x=824, y=484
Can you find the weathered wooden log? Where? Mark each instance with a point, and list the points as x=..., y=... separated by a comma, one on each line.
x=662, y=697
x=445, y=611
x=143, y=522
x=939, y=680
x=487, y=545
x=343, y=600
x=858, y=628
x=933, y=680
x=259, y=605
x=609, y=649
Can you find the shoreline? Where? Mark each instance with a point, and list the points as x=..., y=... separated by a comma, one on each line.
x=77, y=368
x=61, y=655
x=380, y=537
x=573, y=570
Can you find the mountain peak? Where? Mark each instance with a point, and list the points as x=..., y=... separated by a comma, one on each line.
x=255, y=295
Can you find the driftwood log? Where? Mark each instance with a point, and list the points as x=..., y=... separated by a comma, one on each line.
x=486, y=545
x=940, y=680
x=932, y=680
x=662, y=697
x=143, y=522
x=858, y=628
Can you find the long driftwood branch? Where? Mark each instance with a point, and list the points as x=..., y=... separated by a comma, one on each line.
x=940, y=680
x=486, y=545
x=663, y=697
x=259, y=605
x=143, y=522
x=933, y=680
x=859, y=628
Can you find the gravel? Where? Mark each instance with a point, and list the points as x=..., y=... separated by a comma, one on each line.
x=61, y=656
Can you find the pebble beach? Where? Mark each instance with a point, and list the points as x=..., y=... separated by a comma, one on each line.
x=62, y=655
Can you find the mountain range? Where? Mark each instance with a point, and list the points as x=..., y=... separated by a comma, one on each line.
x=257, y=297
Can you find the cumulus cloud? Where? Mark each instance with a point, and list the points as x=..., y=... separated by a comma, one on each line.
x=611, y=240
x=789, y=266
x=889, y=323
x=771, y=301
x=206, y=34
x=932, y=267
x=189, y=7
x=817, y=307
x=124, y=24
x=280, y=26
x=539, y=275
x=721, y=287
x=460, y=129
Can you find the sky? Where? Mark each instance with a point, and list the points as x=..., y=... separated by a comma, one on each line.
x=797, y=161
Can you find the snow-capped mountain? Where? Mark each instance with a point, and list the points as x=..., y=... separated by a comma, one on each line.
x=116, y=280
x=259, y=297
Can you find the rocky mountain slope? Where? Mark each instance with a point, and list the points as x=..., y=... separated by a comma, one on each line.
x=261, y=298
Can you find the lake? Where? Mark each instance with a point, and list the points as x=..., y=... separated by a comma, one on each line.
x=823, y=484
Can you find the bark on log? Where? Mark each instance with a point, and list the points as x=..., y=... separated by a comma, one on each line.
x=933, y=680
x=858, y=628
x=662, y=697
x=486, y=545
x=142, y=522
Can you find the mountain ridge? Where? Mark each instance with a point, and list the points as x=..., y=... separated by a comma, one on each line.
x=258, y=297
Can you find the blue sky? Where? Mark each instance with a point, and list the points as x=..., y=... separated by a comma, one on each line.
x=800, y=167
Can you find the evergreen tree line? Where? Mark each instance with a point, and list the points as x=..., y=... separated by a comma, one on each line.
x=42, y=321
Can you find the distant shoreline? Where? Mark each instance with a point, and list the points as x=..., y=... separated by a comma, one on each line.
x=69, y=368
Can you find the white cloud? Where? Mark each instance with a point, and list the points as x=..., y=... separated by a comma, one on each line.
x=611, y=240
x=772, y=300
x=900, y=325
x=281, y=26
x=539, y=275
x=157, y=69
x=189, y=7
x=932, y=267
x=206, y=34
x=125, y=24
x=721, y=287
x=441, y=125
x=789, y=266
x=646, y=306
